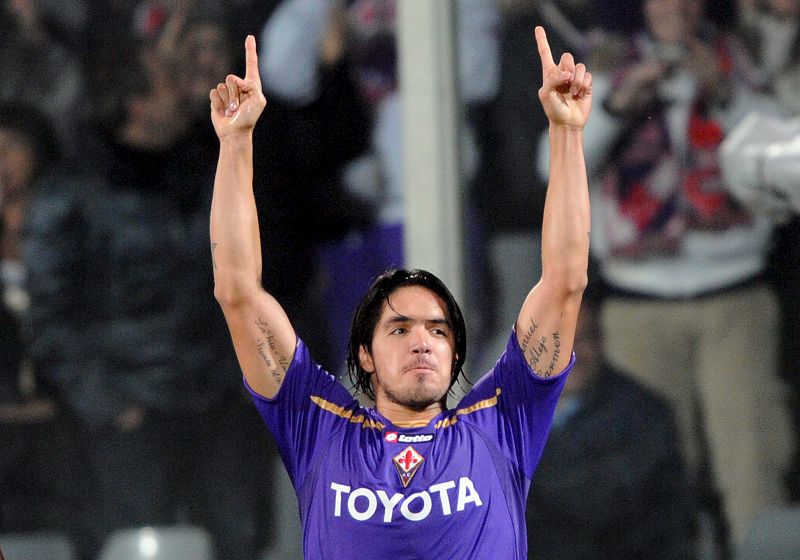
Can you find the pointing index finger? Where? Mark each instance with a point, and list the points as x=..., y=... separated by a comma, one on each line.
x=544, y=50
x=251, y=60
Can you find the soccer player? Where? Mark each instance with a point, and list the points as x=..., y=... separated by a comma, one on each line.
x=408, y=478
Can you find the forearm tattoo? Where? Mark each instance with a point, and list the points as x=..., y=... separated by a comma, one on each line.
x=268, y=349
x=551, y=368
x=534, y=347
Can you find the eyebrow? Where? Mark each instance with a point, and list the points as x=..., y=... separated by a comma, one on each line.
x=397, y=319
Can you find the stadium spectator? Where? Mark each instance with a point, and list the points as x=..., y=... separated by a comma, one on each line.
x=42, y=466
x=117, y=265
x=612, y=483
x=690, y=313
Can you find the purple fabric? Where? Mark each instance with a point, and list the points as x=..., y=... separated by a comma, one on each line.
x=455, y=488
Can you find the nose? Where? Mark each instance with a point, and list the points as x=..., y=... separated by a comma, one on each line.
x=419, y=342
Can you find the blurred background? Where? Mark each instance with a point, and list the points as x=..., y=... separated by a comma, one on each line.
x=121, y=404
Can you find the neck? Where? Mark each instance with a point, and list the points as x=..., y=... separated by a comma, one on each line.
x=403, y=416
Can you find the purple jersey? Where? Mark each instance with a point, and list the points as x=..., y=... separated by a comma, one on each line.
x=452, y=488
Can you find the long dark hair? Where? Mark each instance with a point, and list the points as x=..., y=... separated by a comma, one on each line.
x=369, y=310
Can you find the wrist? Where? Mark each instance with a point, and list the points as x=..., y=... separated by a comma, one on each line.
x=565, y=138
x=566, y=129
x=237, y=139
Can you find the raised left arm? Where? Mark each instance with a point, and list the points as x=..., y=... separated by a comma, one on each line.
x=546, y=324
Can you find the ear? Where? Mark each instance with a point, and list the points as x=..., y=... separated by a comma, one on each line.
x=366, y=359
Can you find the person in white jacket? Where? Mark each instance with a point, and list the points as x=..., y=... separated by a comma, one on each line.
x=689, y=311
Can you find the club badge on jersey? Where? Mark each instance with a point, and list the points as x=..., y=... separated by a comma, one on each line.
x=407, y=463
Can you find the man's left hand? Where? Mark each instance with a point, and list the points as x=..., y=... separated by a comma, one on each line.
x=566, y=92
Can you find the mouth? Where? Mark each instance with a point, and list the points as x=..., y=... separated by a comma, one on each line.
x=420, y=368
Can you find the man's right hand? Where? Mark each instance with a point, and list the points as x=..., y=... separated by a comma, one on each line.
x=237, y=103
x=638, y=87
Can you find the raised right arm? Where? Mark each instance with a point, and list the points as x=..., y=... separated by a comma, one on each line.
x=262, y=334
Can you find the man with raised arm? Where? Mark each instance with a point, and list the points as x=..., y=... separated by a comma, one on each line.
x=408, y=477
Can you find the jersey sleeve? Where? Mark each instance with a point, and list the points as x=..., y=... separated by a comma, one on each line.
x=298, y=416
x=514, y=407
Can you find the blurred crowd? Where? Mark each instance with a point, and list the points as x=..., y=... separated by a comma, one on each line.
x=121, y=403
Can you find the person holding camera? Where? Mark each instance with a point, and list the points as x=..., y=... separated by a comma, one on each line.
x=689, y=312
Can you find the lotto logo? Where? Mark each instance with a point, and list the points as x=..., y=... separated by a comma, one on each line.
x=394, y=437
x=419, y=438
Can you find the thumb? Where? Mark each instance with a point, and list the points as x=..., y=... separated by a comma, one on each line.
x=556, y=80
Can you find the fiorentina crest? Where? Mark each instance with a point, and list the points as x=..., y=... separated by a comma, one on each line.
x=407, y=462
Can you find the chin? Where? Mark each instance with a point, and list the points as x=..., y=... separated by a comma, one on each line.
x=417, y=390
x=419, y=404
x=423, y=398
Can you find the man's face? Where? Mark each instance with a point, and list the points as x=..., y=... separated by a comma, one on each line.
x=783, y=8
x=17, y=162
x=205, y=57
x=668, y=21
x=412, y=350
